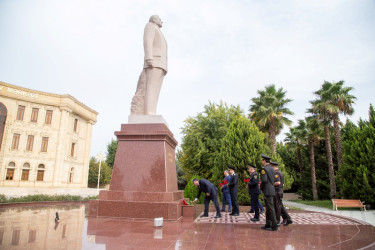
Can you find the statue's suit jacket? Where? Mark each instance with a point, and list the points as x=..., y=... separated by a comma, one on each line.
x=155, y=47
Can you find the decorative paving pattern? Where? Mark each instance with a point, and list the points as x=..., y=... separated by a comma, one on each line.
x=298, y=219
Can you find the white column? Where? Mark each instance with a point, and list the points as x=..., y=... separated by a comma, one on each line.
x=61, y=142
x=86, y=157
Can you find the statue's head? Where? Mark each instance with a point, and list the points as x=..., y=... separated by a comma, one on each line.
x=156, y=19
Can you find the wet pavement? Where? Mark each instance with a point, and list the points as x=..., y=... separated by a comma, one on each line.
x=36, y=227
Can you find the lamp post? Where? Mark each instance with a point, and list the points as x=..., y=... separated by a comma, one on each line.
x=99, y=157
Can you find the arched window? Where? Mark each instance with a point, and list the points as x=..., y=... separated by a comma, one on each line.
x=3, y=118
x=10, y=171
x=71, y=174
x=25, y=172
x=40, y=173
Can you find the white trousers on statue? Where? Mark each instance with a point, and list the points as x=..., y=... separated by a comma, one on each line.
x=154, y=80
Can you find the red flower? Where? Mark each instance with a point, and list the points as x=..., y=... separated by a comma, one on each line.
x=246, y=180
x=220, y=184
x=225, y=182
x=184, y=202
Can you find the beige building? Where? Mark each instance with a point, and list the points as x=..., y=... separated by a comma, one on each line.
x=45, y=139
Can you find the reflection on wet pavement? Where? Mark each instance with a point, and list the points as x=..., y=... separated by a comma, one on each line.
x=35, y=227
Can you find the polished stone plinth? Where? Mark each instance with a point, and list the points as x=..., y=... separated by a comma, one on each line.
x=144, y=178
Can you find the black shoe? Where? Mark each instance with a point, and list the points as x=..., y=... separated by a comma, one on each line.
x=222, y=210
x=288, y=222
x=284, y=221
x=236, y=214
x=265, y=227
x=203, y=215
x=251, y=212
x=254, y=219
x=217, y=216
x=271, y=229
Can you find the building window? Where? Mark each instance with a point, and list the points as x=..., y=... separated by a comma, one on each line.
x=32, y=236
x=16, y=141
x=25, y=172
x=75, y=125
x=15, y=237
x=44, y=144
x=40, y=174
x=30, y=143
x=3, y=118
x=10, y=171
x=34, y=115
x=71, y=175
x=48, y=116
x=20, y=112
x=72, y=149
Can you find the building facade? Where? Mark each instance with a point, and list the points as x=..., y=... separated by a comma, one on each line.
x=45, y=139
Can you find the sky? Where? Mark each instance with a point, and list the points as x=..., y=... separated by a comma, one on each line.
x=217, y=50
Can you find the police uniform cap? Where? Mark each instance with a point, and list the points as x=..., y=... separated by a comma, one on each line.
x=231, y=167
x=265, y=157
x=273, y=163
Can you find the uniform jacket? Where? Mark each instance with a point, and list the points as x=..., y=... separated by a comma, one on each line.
x=225, y=187
x=155, y=47
x=233, y=184
x=268, y=180
x=253, y=184
x=206, y=187
x=278, y=189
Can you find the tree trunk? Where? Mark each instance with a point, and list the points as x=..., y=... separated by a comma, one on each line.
x=313, y=173
x=273, y=136
x=299, y=157
x=332, y=182
x=336, y=128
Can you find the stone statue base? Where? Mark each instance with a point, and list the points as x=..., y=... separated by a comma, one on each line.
x=144, y=178
x=144, y=119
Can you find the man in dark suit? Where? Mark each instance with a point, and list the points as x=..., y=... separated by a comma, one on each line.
x=233, y=190
x=268, y=189
x=254, y=191
x=279, y=184
x=211, y=194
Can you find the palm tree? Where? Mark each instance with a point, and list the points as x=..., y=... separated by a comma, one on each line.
x=338, y=101
x=296, y=138
x=268, y=111
x=313, y=138
x=320, y=109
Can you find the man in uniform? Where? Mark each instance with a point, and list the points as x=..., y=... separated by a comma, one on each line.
x=254, y=191
x=279, y=184
x=268, y=189
x=211, y=194
x=233, y=190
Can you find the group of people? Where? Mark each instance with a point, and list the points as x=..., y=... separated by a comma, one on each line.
x=270, y=182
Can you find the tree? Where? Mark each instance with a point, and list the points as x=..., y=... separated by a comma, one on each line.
x=111, y=152
x=321, y=109
x=296, y=137
x=202, y=137
x=105, y=172
x=359, y=160
x=268, y=111
x=313, y=138
x=337, y=101
x=243, y=144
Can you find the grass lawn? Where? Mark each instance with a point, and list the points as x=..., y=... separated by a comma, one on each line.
x=320, y=203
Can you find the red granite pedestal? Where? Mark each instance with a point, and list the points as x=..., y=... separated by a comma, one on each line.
x=144, y=178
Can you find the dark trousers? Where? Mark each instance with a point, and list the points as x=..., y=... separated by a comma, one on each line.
x=207, y=199
x=259, y=205
x=283, y=212
x=254, y=200
x=277, y=204
x=226, y=199
x=270, y=212
x=235, y=208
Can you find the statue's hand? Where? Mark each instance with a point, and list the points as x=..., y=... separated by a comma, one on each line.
x=149, y=62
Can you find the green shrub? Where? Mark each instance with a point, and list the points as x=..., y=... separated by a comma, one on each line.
x=191, y=191
x=44, y=197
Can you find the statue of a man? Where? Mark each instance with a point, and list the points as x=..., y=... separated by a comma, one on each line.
x=155, y=68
